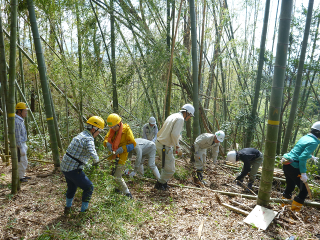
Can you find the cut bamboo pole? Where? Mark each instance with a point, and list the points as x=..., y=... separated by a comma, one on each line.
x=232, y=194
x=238, y=210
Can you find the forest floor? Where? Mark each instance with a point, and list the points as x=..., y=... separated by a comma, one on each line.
x=36, y=211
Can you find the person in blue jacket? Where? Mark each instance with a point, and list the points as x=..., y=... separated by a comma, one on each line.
x=294, y=166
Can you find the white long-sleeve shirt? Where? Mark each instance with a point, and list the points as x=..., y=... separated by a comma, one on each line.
x=206, y=140
x=150, y=133
x=170, y=132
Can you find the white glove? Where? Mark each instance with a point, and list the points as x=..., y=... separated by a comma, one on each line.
x=22, y=151
x=315, y=159
x=304, y=177
x=132, y=174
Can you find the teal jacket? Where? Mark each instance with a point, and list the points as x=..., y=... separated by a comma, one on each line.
x=302, y=151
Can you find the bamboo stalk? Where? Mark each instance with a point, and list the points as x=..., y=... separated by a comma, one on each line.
x=232, y=194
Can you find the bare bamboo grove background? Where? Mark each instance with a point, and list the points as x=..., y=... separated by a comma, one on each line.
x=136, y=58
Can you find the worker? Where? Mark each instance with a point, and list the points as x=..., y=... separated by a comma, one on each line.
x=150, y=130
x=143, y=149
x=21, y=139
x=79, y=152
x=168, y=142
x=201, y=144
x=294, y=166
x=252, y=160
x=119, y=140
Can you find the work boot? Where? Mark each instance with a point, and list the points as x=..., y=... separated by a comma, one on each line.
x=25, y=177
x=166, y=186
x=23, y=180
x=239, y=183
x=160, y=186
x=199, y=175
x=129, y=195
x=296, y=206
x=67, y=210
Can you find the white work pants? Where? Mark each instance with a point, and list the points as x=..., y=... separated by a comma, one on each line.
x=200, y=159
x=169, y=167
x=22, y=161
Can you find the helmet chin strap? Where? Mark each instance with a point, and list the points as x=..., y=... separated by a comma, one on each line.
x=186, y=114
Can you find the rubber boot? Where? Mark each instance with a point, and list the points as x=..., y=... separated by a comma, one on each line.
x=156, y=173
x=296, y=206
x=129, y=195
x=67, y=208
x=84, y=206
x=159, y=186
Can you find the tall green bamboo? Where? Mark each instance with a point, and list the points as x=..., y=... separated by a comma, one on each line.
x=252, y=121
x=3, y=81
x=11, y=97
x=275, y=104
x=44, y=84
x=296, y=92
x=22, y=77
x=196, y=128
x=79, y=35
x=113, y=59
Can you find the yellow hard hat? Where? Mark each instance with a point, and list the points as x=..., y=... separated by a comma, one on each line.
x=21, y=105
x=113, y=119
x=96, y=121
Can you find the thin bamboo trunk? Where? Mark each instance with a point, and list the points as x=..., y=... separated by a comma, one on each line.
x=11, y=97
x=22, y=78
x=113, y=59
x=44, y=84
x=4, y=90
x=253, y=118
x=196, y=129
x=275, y=104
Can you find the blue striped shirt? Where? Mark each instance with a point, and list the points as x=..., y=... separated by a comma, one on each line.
x=82, y=148
x=20, y=130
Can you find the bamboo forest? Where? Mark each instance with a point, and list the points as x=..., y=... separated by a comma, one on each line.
x=159, y=119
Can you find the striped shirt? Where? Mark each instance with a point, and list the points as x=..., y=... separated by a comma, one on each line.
x=20, y=131
x=82, y=148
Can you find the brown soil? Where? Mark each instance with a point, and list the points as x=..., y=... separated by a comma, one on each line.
x=40, y=203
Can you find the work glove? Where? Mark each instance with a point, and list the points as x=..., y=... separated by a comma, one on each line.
x=23, y=151
x=315, y=159
x=179, y=151
x=109, y=146
x=127, y=171
x=304, y=177
x=199, y=175
x=119, y=151
x=132, y=174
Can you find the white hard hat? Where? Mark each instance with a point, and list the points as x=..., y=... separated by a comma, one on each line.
x=220, y=135
x=231, y=156
x=189, y=108
x=152, y=120
x=316, y=125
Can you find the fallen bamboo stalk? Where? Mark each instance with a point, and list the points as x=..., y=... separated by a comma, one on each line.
x=241, y=205
x=232, y=194
x=200, y=229
x=35, y=160
x=238, y=210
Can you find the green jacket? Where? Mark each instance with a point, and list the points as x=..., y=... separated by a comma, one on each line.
x=302, y=151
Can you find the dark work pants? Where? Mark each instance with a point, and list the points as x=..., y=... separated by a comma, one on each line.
x=77, y=178
x=292, y=181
